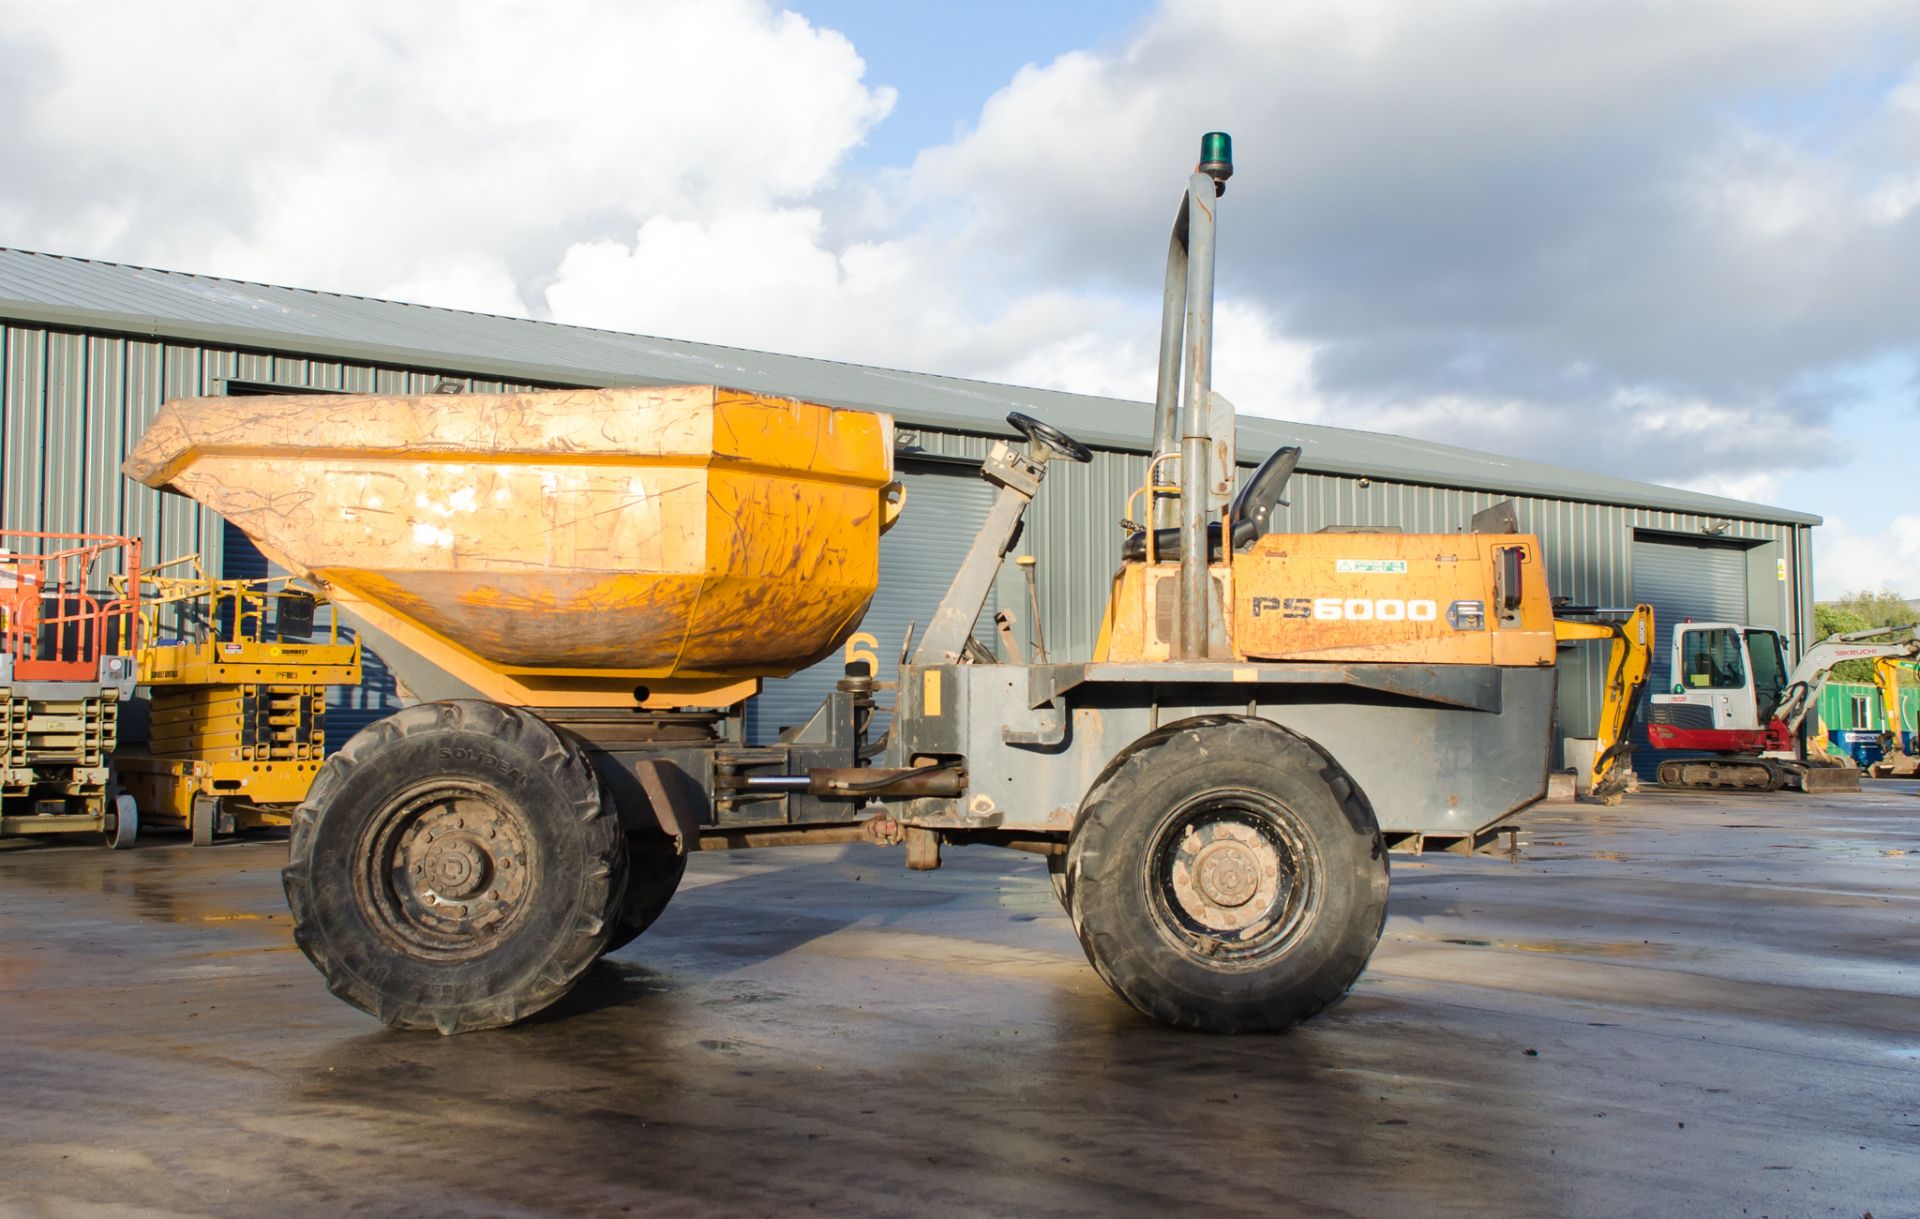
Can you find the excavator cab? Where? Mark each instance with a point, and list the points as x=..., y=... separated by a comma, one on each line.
x=1725, y=677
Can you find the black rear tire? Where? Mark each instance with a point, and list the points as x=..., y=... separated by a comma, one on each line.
x=654, y=870
x=454, y=867
x=1057, y=874
x=1226, y=875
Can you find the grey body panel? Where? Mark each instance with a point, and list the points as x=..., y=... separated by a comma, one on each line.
x=1439, y=750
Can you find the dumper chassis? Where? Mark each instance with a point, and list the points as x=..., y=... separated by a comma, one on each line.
x=1209, y=789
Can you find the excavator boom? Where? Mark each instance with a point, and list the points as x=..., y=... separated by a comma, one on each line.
x=1804, y=684
x=1628, y=660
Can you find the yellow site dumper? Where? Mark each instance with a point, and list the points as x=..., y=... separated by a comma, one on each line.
x=238, y=690
x=582, y=588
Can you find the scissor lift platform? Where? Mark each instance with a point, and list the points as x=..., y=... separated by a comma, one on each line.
x=237, y=729
x=66, y=662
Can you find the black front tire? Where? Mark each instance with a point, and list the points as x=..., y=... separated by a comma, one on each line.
x=1226, y=875
x=454, y=867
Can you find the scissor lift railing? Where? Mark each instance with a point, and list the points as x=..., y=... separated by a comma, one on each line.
x=238, y=684
x=69, y=623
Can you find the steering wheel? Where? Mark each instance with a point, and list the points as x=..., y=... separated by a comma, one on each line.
x=1048, y=436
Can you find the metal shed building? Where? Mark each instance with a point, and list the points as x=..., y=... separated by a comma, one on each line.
x=90, y=350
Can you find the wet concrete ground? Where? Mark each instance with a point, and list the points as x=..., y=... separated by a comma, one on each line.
x=1682, y=1006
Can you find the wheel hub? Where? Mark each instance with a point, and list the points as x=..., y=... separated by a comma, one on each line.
x=456, y=867
x=1233, y=878
x=452, y=871
x=1226, y=875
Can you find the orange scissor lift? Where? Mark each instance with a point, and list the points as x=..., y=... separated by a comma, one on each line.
x=237, y=729
x=66, y=664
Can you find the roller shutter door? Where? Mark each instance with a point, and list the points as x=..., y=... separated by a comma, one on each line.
x=1683, y=580
x=945, y=507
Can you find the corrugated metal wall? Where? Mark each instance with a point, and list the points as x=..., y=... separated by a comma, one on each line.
x=73, y=402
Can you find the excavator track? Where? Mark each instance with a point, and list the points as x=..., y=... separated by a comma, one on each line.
x=1725, y=774
x=1756, y=774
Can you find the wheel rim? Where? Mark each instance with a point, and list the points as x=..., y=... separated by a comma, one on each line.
x=449, y=871
x=1233, y=878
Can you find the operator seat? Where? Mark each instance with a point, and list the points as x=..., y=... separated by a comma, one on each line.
x=1250, y=512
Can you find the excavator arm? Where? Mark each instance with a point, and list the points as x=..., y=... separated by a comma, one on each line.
x=1879, y=644
x=1628, y=659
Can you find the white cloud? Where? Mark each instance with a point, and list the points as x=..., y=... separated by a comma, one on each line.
x=1261, y=369
x=770, y=280
x=765, y=279
x=446, y=153
x=1849, y=559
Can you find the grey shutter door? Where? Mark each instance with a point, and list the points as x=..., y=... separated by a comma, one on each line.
x=945, y=508
x=1683, y=581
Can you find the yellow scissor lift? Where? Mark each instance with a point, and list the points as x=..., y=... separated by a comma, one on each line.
x=239, y=695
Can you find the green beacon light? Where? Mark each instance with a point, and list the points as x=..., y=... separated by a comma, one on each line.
x=1216, y=159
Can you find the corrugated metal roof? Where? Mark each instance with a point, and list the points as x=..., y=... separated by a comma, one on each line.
x=48, y=289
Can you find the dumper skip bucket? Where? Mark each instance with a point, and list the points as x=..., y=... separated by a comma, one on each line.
x=666, y=546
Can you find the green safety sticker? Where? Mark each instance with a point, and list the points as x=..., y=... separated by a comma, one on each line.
x=1372, y=566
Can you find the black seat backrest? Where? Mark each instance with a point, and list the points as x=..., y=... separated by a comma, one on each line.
x=1252, y=509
